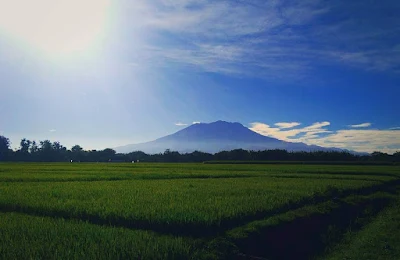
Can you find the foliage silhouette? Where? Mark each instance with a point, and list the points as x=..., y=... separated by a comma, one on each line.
x=48, y=151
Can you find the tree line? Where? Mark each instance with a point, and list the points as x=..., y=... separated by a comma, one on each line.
x=47, y=151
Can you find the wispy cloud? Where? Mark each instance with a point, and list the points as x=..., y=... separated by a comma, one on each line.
x=287, y=125
x=180, y=124
x=361, y=140
x=366, y=140
x=265, y=38
x=291, y=135
x=196, y=122
x=52, y=130
x=361, y=125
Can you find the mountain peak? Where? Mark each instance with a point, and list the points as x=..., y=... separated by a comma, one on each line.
x=214, y=137
x=221, y=122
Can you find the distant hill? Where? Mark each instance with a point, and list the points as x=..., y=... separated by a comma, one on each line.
x=215, y=137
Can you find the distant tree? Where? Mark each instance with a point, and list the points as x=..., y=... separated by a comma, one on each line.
x=4, y=143
x=109, y=152
x=77, y=153
x=59, y=152
x=46, y=151
x=396, y=156
x=55, y=151
x=57, y=146
x=239, y=154
x=23, y=153
x=76, y=149
x=24, y=145
x=379, y=156
x=46, y=145
x=171, y=156
x=4, y=148
x=137, y=155
x=34, y=148
x=198, y=156
x=105, y=155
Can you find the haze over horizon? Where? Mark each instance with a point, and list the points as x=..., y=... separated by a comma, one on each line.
x=102, y=73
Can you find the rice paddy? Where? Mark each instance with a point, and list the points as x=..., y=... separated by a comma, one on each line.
x=183, y=211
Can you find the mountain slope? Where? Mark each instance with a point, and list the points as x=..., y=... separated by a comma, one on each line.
x=215, y=137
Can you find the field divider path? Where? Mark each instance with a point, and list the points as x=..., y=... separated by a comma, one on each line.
x=300, y=175
x=192, y=229
x=308, y=232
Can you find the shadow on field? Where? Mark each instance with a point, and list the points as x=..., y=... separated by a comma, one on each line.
x=377, y=174
x=325, y=178
x=194, y=229
x=130, y=176
x=305, y=238
x=389, y=187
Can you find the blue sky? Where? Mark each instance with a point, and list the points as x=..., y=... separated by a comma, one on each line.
x=104, y=73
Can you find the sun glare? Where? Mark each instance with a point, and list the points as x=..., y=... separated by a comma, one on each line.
x=57, y=27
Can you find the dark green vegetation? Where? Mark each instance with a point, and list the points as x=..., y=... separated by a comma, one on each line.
x=47, y=151
x=198, y=211
x=378, y=240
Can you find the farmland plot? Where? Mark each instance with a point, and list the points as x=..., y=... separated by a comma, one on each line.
x=181, y=210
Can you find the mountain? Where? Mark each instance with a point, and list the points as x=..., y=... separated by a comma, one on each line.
x=215, y=137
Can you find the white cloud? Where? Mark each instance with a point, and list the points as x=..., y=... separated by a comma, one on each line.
x=196, y=122
x=287, y=125
x=316, y=126
x=368, y=140
x=361, y=140
x=261, y=38
x=361, y=125
x=290, y=135
x=52, y=130
x=180, y=124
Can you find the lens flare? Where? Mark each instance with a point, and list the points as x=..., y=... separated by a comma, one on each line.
x=59, y=27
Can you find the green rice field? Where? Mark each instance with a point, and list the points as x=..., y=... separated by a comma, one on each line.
x=198, y=211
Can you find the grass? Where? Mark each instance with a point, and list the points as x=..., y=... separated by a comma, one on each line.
x=305, y=162
x=195, y=206
x=32, y=237
x=304, y=232
x=378, y=240
x=183, y=211
x=29, y=172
